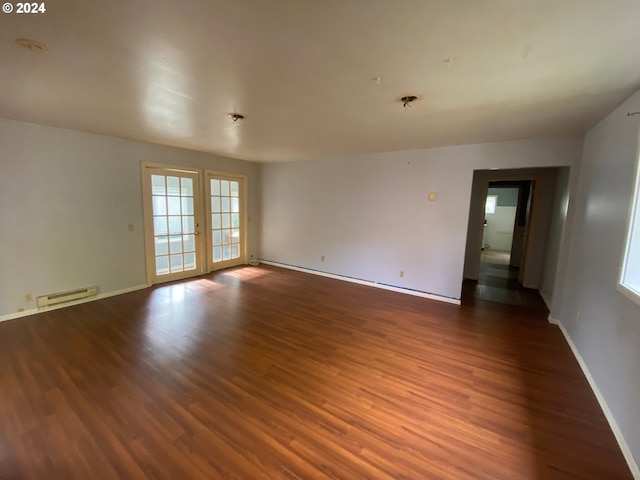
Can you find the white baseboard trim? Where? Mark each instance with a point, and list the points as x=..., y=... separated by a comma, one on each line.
x=368, y=283
x=33, y=311
x=626, y=451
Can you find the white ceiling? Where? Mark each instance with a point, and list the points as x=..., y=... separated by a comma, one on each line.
x=303, y=71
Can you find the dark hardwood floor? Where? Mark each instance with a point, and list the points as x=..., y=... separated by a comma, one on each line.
x=261, y=372
x=499, y=283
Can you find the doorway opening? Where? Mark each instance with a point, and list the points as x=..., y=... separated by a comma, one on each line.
x=188, y=233
x=516, y=224
x=506, y=225
x=173, y=218
x=506, y=221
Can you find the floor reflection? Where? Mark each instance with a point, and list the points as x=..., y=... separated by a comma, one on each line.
x=175, y=318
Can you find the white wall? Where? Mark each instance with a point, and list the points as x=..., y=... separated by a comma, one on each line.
x=607, y=334
x=499, y=230
x=557, y=230
x=369, y=214
x=66, y=199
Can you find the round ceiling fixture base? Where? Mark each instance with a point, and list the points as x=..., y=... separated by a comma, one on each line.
x=408, y=99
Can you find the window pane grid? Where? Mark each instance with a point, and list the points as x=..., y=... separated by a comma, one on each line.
x=225, y=219
x=173, y=223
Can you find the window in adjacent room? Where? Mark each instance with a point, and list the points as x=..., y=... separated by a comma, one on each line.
x=490, y=205
x=630, y=276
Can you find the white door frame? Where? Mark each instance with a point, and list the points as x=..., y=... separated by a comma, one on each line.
x=146, y=170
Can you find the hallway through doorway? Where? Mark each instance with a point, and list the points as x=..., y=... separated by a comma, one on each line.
x=499, y=283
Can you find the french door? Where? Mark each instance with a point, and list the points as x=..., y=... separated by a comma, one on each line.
x=185, y=234
x=225, y=220
x=173, y=220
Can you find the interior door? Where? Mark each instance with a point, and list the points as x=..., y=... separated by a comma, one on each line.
x=226, y=220
x=173, y=216
x=519, y=229
x=526, y=233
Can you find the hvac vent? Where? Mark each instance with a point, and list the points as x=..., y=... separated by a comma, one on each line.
x=69, y=296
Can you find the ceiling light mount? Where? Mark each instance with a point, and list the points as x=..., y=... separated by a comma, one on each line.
x=31, y=45
x=236, y=116
x=408, y=99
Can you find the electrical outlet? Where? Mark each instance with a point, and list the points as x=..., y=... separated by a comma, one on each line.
x=131, y=227
x=401, y=273
x=322, y=258
x=578, y=316
x=28, y=297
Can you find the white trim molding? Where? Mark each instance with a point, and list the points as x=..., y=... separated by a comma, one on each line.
x=368, y=283
x=630, y=293
x=547, y=300
x=34, y=311
x=626, y=451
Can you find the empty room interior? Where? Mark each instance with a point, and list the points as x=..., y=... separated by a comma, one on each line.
x=342, y=239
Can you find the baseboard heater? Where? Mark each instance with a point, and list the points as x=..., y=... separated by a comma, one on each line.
x=68, y=296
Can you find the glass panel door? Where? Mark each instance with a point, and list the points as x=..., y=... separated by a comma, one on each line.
x=172, y=206
x=226, y=238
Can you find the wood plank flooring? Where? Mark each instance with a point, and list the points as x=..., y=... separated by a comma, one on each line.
x=499, y=283
x=260, y=372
